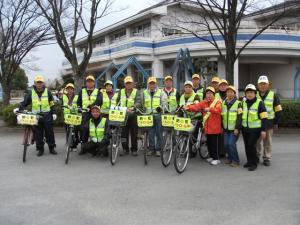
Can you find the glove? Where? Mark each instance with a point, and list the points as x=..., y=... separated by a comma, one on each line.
x=16, y=110
x=54, y=116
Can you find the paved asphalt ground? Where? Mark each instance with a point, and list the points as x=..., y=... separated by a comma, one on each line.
x=90, y=191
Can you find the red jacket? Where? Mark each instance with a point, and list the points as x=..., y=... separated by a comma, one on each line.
x=213, y=124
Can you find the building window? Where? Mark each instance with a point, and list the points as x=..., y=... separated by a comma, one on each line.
x=98, y=43
x=142, y=30
x=118, y=36
x=170, y=32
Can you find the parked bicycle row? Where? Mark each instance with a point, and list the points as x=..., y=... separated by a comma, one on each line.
x=166, y=120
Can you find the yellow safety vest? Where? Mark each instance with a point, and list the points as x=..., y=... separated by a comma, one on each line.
x=229, y=117
x=151, y=103
x=269, y=100
x=250, y=116
x=97, y=133
x=88, y=100
x=73, y=107
x=106, y=103
x=40, y=104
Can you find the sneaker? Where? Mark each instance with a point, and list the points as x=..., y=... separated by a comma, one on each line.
x=252, y=168
x=267, y=162
x=215, y=162
x=209, y=160
x=234, y=164
x=227, y=161
x=150, y=153
x=157, y=153
x=134, y=153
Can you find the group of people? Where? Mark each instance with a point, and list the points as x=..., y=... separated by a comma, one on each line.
x=217, y=109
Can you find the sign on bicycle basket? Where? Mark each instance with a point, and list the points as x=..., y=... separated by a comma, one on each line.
x=182, y=124
x=145, y=121
x=167, y=120
x=27, y=119
x=117, y=115
x=71, y=119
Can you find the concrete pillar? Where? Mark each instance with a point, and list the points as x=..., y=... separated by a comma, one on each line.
x=221, y=69
x=107, y=40
x=109, y=75
x=158, y=68
x=130, y=70
x=236, y=74
x=128, y=33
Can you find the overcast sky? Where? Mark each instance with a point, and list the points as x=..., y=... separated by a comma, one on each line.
x=50, y=58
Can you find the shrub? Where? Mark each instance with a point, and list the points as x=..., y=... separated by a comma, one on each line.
x=8, y=115
x=291, y=114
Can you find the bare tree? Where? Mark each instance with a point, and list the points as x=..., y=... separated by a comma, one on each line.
x=21, y=30
x=224, y=18
x=68, y=18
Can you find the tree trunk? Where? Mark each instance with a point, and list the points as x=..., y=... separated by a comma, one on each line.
x=229, y=64
x=6, y=93
x=78, y=79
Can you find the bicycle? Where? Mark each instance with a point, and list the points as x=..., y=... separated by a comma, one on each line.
x=117, y=119
x=198, y=143
x=72, y=120
x=168, y=137
x=145, y=123
x=28, y=120
x=184, y=128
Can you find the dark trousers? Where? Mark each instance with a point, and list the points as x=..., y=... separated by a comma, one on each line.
x=250, y=139
x=85, y=118
x=95, y=148
x=45, y=127
x=132, y=128
x=213, y=142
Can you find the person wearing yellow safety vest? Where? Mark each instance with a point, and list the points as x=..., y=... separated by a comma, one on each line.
x=41, y=101
x=223, y=85
x=254, y=119
x=215, y=84
x=154, y=99
x=172, y=94
x=129, y=97
x=106, y=96
x=231, y=122
x=274, y=109
x=189, y=97
x=89, y=95
x=69, y=102
x=197, y=87
x=211, y=108
x=96, y=134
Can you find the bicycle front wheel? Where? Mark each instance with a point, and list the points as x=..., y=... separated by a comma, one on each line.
x=167, y=148
x=181, y=154
x=26, y=142
x=114, y=147
x=69, y=143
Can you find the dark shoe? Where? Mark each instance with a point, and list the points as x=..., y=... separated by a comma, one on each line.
x=267, y=162
x=40, y=151
x=252, y=168
x=124, y=152
x=82, y=152
x=257, y=160
x=134, y=153
x=247, y=165
x=52, y=151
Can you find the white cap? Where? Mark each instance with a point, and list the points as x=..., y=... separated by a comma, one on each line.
x=108, y=82
x=188, y=83
x=263, y=79
x=250, y=87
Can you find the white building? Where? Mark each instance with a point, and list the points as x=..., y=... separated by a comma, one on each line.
x=149, y=37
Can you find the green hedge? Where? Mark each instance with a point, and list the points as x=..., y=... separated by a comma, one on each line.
x=10, y=118
x=291, y=114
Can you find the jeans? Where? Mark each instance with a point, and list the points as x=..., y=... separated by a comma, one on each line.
x=155, y=133
x=230, y=146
